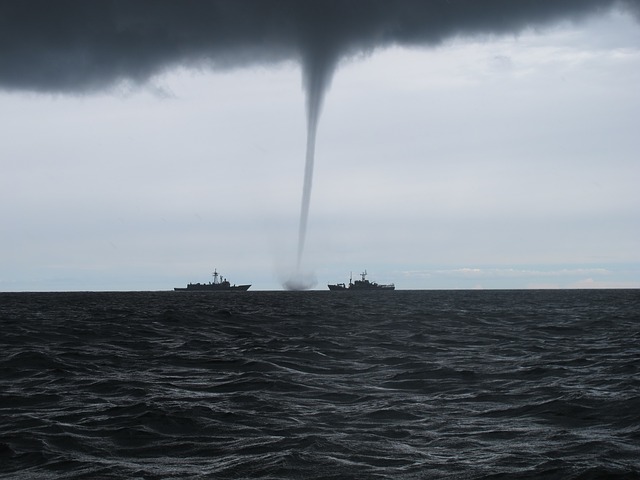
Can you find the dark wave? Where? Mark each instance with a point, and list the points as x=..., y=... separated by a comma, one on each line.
x=473, y=385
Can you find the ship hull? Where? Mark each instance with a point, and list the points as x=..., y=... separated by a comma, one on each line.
x=195, y=287
x=352, y=288
x=374, y=288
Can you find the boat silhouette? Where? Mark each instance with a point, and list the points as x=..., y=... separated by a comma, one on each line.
x=360, y=285
x=219, y=284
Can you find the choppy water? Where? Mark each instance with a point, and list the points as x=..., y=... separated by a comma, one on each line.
x=415, y=384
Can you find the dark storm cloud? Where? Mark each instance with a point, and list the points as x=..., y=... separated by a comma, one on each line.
x=68, y=45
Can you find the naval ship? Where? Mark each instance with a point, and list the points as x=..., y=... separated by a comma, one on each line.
x=219, y=284
x=360, y=285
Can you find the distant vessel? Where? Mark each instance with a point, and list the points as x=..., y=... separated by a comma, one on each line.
x=361, y=285
x=219, y=284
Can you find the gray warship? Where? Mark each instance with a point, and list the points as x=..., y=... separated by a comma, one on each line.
x=219, y=284
x=360, y=285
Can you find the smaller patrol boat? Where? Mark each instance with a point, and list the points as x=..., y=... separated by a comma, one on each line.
x=360, y=285
x=219, y=284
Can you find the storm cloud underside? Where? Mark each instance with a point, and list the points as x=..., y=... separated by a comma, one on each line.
x=77, y=46
x=80, y=47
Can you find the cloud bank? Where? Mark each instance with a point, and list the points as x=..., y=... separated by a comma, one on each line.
x=80, y=46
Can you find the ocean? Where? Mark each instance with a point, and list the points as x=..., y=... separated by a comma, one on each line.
x=320, y=385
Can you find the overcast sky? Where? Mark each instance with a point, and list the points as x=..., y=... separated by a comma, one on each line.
x=488, y=158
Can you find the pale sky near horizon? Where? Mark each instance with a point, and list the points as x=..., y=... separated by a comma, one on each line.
x=484, y=162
